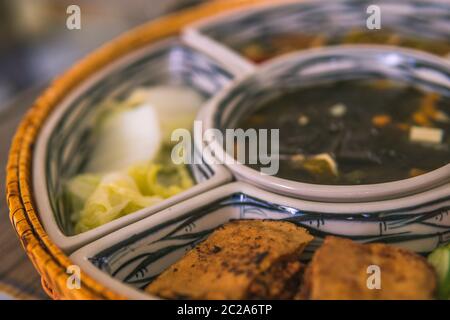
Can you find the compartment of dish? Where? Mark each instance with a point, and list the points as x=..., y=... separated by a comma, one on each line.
x=95, y=119
x=264, y=31
x=132, y=257
x=349, y=137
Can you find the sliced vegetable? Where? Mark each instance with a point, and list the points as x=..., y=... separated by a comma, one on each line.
x=414, y=172
x=381, y=120
x=125, y=136
x=96, y=201
x=161, y=179
x=320, y=165
x=303, y=120
x=130, y=167
x=175, y=106
x=80, y=188
x=427, y=135
x=338, y=110
x=440, y=259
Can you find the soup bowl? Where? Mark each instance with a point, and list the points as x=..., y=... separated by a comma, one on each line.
x=321, y=65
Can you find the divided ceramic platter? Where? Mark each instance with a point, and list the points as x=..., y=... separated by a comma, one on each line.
x=127, y=253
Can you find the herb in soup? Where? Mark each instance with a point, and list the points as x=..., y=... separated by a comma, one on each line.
x=357, y=132
x=262, y=49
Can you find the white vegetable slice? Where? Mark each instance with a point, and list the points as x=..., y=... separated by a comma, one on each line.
x=338, y=110
x=176, y=106
x=303, y=120
x=326, y=157
x=125, y=137
x=425, y=134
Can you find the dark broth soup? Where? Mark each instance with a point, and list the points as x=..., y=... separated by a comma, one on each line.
x=357, y=132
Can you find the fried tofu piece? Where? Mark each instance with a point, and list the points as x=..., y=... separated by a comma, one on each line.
x=339, y=270
x=280, y=281
x=235, y=258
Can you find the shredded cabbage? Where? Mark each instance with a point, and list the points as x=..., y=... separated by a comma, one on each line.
x=80, y=188
x=130, y=167
x=97, y=200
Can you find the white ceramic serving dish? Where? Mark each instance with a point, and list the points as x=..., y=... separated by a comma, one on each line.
x=414, y=214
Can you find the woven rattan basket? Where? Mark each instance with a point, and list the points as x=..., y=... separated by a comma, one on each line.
x=47, y=258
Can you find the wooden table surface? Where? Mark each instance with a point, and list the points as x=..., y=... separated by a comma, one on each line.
x=17, y=274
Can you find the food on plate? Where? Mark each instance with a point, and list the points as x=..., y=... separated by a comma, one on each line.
x=98, y=199
x=137, y=128
x=352, y=132
x=242, y=259
x=130, y=167
x=339, y=270
x=260, y=259
x=262, y=49
x=440, y=259
x=279, y=281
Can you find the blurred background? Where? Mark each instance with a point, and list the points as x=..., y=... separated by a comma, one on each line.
x=35, y=43
x=35, y=46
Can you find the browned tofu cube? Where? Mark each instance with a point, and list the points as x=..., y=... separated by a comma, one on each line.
x=339, y=270
x=237, y=261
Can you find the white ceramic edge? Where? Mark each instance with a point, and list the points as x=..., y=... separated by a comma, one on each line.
x=80, y=257
x=70, y=243
x=368, y=192
x=237, y=64
x=220, y=17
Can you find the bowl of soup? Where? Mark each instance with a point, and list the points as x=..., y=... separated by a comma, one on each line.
x=351, y=124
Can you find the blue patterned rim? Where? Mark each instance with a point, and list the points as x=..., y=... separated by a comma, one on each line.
x=416, y=18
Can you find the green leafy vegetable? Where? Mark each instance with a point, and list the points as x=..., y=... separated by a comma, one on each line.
x=130, y=167
x=96, y=200
x=440, y=259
